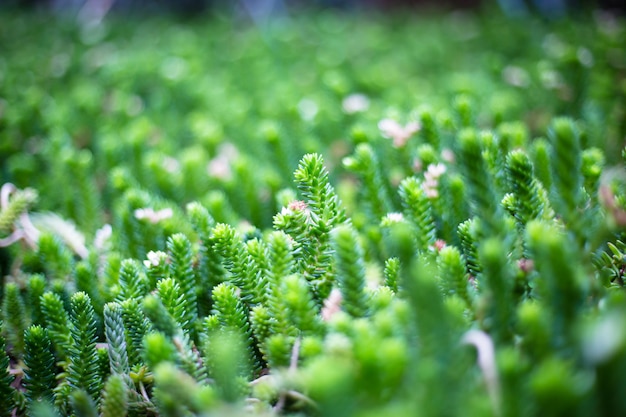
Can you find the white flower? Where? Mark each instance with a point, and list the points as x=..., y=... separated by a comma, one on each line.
x=515, y=76
x=430, y=189
x=154, y=258
x=355, y=103
x=153, y=216
x=174, y=68
x=447, y=155
x=102, y=236
x=585, y=57
x=399, y=134
x=308, y=109
x=435, y=171
x=297, y=205
x=392, y=218
x=171, y=165
x=220, y=166
x=431, y=179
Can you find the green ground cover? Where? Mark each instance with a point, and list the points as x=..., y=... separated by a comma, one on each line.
x=323, y=214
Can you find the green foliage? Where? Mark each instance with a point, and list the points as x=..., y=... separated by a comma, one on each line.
x=350, y=270
x=496, y=284
x=227, y=362
x=210, y=271
x=278, y=350
x=136, y=325
x=611, y=264
x=540, y=151
x=301, y=308
x=80, y=167
x=35, y=287
x=392, y=270
x=365, y=163
x=312, y=180
x=54, y=257
x=454, y=196
x=282, y=264
x=14, y=317
x=139, y=222
x=173, y=300
x=261, y=323
x=452, y=274
x=323, y=212
x=468, y=233
x=83, y=404
x=418, y=210
x=431, y=253
x=237, y=260
x=562, y=284
x=181, y=270
x=116, y=339
x=566, y=162
x=44, y=410
x=161, y=319
x=157, y=348
x=132, y=282
x=232, y=314
x=481, y=183
x=58, y=323
x=87, y=281
x=39, y=375
x=114, y=397
x=82, y=371
x=178, y=394
x=530, y=199
x=7, y=392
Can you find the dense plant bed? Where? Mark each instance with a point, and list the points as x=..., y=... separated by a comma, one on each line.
x=323, y=215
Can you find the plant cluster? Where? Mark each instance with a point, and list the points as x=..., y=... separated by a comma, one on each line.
x=388, y=233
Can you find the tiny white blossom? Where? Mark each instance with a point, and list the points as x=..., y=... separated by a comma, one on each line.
x=355, y=103
x=431, y=179
x=102, y=236
x=154, y=258
x=515, y=76
x=585, y=57
x=153, y=216
x=171, y=165
x=220, y=166
x=399, y=134
x=297, y=205
x=394, y=217
x=447, y=155
x=308, y=109
x=435, y=171
x=430, y=191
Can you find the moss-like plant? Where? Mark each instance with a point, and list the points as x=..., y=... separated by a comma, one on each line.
x=447, y=238
x=6, y=379
x=115, y=397
x=350, y=270
x=82, y=371
x=39, y=375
